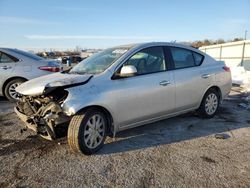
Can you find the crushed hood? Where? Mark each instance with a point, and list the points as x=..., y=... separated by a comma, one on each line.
x=38, y=85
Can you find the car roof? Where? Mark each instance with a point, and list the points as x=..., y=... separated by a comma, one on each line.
x=151, y=44
x=20, y=53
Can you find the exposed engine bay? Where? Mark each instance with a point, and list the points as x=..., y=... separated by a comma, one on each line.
x=43, y=113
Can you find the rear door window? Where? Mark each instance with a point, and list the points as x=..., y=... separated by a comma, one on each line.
x=6, y=58
x=182, y=58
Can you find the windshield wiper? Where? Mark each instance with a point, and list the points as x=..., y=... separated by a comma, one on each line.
x=75, y=72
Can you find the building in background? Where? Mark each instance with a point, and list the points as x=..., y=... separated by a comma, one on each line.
x=233, y=53
x=236, y=55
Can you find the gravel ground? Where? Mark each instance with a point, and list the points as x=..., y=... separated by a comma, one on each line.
x=177, y=152
x=5, y=106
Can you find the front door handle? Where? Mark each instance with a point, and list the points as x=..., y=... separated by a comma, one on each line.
x=205, y=76
x=5, y=67
x=164, y=83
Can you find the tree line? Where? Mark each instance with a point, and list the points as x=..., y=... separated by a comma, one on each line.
x=207, y=42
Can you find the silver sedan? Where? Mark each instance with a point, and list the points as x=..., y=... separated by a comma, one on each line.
x=18, y=66
x=123, y=87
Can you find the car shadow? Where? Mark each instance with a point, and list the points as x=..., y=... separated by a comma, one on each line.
x=173, y=130
x=3, y=99
x=181, y=128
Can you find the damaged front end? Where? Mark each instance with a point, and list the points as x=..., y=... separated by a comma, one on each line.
x=43, y=113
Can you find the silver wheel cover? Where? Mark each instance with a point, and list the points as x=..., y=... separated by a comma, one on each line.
x=94, y=131
x=211, y=104
x=12, y=91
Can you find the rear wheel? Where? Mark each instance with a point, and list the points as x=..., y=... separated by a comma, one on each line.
x=10, y=89
x=87, y=131
x=210, y=104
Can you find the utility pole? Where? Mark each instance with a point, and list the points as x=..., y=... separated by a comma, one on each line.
x=245, y=34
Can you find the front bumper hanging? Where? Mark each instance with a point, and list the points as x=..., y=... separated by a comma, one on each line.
x=30, y=124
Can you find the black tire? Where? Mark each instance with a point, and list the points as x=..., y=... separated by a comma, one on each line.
x=77, y=128
x=202, y=109
x=7, y=88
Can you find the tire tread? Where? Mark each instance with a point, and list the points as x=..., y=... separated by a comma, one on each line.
x=73, y=132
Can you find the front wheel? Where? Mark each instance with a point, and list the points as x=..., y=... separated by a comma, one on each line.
x=87, y=131
x=210, y=104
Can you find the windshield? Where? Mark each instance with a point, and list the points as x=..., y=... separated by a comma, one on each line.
x=99, y=62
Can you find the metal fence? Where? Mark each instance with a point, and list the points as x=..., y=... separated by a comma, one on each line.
x=233, y=53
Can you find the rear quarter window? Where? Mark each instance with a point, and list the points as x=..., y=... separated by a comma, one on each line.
x=198, y=58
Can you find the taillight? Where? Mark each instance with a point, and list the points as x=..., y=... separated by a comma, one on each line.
x=227, y=69
x=50, y=69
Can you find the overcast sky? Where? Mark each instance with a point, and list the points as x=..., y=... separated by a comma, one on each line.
x=103, y=23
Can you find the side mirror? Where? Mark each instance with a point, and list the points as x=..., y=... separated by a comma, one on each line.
x=128, y=70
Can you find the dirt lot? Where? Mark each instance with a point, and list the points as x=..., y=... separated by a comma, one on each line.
x=178, y=152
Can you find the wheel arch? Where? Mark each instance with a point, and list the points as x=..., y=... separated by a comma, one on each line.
x=212, y=87
x=10, y=79
x=111, y=127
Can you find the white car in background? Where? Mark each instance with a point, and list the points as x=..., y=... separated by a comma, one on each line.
x=18, y=66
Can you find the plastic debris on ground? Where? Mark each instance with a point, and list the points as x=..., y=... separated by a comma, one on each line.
x=221, y=136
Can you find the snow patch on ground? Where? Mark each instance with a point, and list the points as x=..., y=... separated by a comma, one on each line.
x=241, y=77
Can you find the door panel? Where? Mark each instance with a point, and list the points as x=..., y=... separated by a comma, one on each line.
x=190, y=87
x=190, y=79
x=144, y=97
x=150, y=93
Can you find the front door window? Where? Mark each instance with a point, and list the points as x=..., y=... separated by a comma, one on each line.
x=149, y=60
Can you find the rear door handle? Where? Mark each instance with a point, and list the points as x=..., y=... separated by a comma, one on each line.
x=164, y=83
x=205, y=76
x=5, y=67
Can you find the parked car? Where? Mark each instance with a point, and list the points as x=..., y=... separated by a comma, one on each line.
x=72, y=59
x=76, y=59
x=120, y=88
x=65, y=59
x=18, y=66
